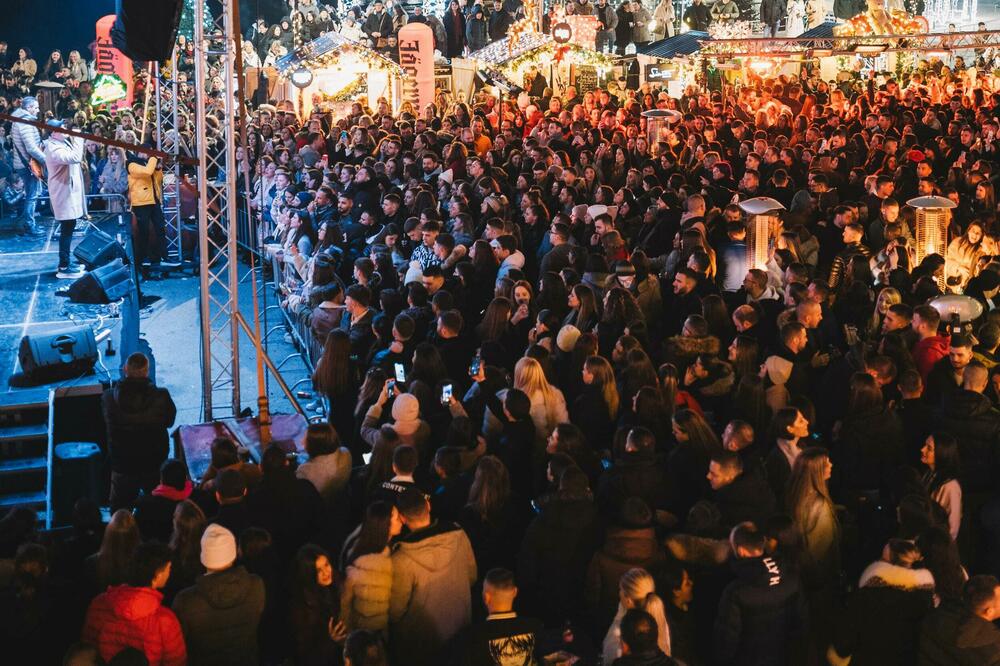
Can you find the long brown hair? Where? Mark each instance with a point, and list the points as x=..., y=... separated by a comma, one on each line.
x=121, y=538
x=496, y=319
x=807, y=485
x=332, y=375
x=490, y=487
x=185, y=542
x=604, y=379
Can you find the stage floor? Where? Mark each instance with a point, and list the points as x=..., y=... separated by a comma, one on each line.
x=30, y=306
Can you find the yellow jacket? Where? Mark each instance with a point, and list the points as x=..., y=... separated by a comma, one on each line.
x=145, y=183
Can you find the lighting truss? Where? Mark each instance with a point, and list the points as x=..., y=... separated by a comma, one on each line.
x=217, y=214
x=166, y=99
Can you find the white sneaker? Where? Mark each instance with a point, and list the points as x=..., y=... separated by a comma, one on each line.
x=70, y=273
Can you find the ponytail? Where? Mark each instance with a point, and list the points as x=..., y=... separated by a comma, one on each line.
x=653, y=605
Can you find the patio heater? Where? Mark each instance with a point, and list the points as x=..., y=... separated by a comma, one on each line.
x=763, y=224
x=933, y=218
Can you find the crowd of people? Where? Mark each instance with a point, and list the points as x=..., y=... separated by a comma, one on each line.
x=568, y=418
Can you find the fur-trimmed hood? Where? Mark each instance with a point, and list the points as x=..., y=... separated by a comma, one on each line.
x=684, y=346
x=884, y=574
x=719, y=382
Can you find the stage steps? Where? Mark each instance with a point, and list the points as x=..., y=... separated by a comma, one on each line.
x=25, y=455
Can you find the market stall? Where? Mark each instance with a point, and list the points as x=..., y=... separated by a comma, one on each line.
x=333, y=69
x=671, y=61
x=509, y=61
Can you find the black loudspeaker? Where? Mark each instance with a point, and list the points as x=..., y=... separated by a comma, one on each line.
x=96, y=249
x=102, y=285
x=58, y=355
x=145, y=30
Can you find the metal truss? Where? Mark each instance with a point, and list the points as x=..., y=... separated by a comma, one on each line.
x=168, y=140
x=826, y=46
x=217, y=211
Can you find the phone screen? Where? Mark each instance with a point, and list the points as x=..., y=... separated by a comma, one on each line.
x=474, y=368
x=400, y=373
x=367, y=457
x=392, y=387
x=446, y=394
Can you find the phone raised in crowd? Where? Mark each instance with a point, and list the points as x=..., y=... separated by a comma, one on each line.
x=400, y=372
x=477, y=362
x=391, y=390
x=446, y=394
x=367, y=457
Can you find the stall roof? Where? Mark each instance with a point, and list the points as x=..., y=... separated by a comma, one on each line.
x=683, y=44
x=822, y=30
x=499, y=52
x=325, y=45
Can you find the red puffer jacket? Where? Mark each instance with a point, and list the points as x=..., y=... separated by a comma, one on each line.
x=126, y=616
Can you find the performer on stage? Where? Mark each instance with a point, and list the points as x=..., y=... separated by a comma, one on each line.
x=63, y=157
x=145, y=192
x=27, y=147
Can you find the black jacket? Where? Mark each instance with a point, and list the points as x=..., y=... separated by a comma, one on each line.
x=654, y=658
x=971, y=418
x=951, y=636
x=219, y=616
x=869, y=449
x=748, y=497
x=502, y=634
x=633, y=475
x=761, y=615
x=552, y=563
x=137, y=415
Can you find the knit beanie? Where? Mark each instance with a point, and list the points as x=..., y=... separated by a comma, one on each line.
x=218, y=547
x=567, y=337
x=405, y=414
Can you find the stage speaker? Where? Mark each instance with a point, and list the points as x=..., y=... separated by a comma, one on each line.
x=145, y=30
x=58, y=355
x=96, y=249
x=102, y=285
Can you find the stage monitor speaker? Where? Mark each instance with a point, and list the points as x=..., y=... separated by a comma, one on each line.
x=58, y=355
x=102, y=285
x=146, y=30
x=96, y=249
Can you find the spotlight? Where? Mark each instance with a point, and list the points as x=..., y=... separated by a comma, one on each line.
x=301, y=78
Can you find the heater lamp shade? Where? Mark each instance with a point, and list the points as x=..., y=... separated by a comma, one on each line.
x=760, y=205
x=931, y=202
x=966, y=307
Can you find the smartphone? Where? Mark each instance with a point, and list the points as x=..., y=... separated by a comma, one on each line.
x=367, y=457
x=392, y=388
x=446, y=394
x=605, y=463
x=400, y=372
x=477, y=362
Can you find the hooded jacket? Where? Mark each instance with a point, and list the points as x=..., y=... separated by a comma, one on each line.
x=219, y=615
x=433, y=570
x=137, y=415
x=761, y=613
x=515, y=260
x=881, y=624
x=682, y=350
x=927, y=352
x=126, y=616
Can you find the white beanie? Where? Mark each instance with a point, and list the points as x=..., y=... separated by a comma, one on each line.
x=567, y=337
x=218, y=547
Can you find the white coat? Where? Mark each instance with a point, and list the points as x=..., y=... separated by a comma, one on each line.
x=63, y=157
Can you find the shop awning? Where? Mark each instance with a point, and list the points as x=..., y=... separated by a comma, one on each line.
x=683, y=44
x=819, y=32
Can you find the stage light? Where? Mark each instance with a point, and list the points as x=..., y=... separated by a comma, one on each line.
x=301, y=78
x=870, y=49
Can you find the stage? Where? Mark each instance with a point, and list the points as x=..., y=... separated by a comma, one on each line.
x=168, y=321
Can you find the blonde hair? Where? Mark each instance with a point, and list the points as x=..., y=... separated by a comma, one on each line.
x=530, y=378
x=604, y=378
x=638, y=586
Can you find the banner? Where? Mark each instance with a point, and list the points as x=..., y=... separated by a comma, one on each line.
x=109, y=60
x=416, y=55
